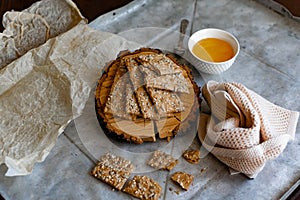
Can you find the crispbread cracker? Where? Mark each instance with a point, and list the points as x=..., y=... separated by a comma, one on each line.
x=137, y=79
x=117, y=96
x=132, y=106
x=165, y=102
x=192, y=156
x=159, y=63
x=172, y=82
x=143, y=187
x=113, y=170
x=162, y=160
x=183, y=179
x=136, y=76
x=145, y=103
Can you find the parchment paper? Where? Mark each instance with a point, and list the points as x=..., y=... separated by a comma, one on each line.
x=33, y=26
x=42, y=91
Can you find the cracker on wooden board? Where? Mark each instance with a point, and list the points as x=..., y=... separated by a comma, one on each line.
x=159, y=63
x=114, y=103
x=146, y=105
x=136, y=75
x=172, y=82
x=165, y=102
x=176, y=81
x=131, y=106
x=104, y=85
x=142, y=96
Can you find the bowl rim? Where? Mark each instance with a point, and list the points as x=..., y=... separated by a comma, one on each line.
x=190, y=46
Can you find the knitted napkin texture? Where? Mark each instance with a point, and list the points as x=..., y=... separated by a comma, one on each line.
x=244, y=130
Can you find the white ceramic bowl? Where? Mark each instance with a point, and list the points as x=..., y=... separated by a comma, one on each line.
x=213, y=67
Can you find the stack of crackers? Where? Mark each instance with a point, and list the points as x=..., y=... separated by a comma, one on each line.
x=144, y=94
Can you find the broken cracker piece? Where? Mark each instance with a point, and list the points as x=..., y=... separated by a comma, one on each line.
x=162, y=160
x=131, y=104
x=166, y=102
x=171, y=82
x=192, y=156
x=159, y=63
x=114, y=103
x=183, y=179
x=113, y=170
x=143, y=187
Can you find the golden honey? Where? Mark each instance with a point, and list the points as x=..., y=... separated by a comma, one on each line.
x=213, y=50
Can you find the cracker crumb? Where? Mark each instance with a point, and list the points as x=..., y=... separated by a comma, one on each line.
x=203, y=170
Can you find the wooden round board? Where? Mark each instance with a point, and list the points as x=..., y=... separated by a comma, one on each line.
x=145, y=95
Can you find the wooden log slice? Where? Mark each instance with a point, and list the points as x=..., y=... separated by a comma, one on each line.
x=139, y=99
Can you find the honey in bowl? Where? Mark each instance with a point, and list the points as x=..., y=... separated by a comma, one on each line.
x=213, y=50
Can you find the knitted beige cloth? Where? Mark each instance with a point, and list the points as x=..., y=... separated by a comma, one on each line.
x=245, y=130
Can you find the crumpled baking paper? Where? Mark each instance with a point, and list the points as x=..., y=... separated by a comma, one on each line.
x=42, y=91
x=34, y=26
